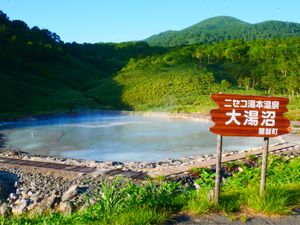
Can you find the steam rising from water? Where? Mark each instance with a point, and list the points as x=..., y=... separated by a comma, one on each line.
x=113, y=124
x=117, y=137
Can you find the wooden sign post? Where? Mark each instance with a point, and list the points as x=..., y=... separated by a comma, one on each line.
x=249, y=116
x=264, y=164
x=218, y=168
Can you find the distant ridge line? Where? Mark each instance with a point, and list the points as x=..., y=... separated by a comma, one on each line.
x=223, y=28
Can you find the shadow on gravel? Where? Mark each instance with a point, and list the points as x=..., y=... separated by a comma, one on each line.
x=7, y=184
x=179, y=219
x=216, y=219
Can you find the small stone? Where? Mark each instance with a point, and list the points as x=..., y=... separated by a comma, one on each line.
x=24, y=191
x=13, y=196
x=92, y=164
x=5, y=210
x=119, y=167
x=16, y=184
x=18, y=191
x=117, y=163
x=197, y=186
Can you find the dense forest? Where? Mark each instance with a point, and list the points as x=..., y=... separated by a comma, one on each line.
x=223, y=28
x=40, y=73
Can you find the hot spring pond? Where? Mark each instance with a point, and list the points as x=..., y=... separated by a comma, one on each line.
x=118, y=137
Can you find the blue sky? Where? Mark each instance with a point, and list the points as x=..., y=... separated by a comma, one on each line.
x=127, y=20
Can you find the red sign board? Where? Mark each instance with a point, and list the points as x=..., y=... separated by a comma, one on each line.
x=246, y=115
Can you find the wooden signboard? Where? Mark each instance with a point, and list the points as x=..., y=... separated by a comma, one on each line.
x=244, y=115
x=251, y=116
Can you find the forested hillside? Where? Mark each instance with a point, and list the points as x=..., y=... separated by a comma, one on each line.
x=40, y=73
x=183, y=78
x=223, y=28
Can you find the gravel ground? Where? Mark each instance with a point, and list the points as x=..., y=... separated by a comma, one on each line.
x=216, y=219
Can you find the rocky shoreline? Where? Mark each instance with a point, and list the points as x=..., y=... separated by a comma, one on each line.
x=139, y=165
x=37, y=190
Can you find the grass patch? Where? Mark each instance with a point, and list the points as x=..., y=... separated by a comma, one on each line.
x=199, y=203
x=230, y=202
x=278, y=199
x=241, y=190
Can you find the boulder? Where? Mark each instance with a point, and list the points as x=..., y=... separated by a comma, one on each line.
x=20, y=206
x=74, y=191
x=51, y=202
x=66, y=207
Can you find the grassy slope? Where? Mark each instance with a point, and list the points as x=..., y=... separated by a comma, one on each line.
x=179, y=88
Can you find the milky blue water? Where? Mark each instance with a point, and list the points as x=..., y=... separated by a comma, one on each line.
x=117, y=137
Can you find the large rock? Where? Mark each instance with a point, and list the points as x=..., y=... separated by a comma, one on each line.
x=66, y=207
x=51, y=202
x=20, y=206
x=74, y=191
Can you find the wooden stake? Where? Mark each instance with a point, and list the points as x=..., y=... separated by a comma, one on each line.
x=218, y=168
x=264, y=166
